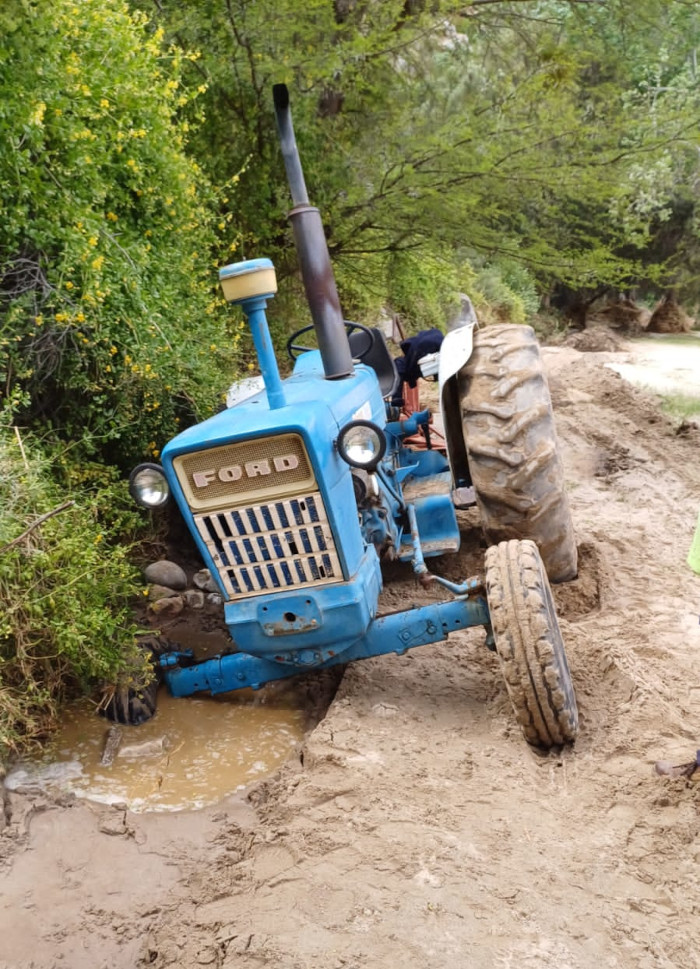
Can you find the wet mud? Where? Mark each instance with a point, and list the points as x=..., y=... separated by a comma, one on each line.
x=413, y=826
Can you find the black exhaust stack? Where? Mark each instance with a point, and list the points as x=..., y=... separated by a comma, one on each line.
x=312, y=249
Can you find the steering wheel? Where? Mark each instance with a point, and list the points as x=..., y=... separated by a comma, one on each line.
x=295, y=349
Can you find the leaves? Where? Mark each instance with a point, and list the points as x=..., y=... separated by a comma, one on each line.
x=106, y=231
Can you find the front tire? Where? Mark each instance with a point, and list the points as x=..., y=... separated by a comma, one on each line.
x=134, y=702
x=512, y=452
x=529, y=644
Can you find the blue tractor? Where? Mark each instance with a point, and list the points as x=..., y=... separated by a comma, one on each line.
x=299, y=492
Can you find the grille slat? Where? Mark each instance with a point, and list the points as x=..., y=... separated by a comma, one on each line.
x=252, y=557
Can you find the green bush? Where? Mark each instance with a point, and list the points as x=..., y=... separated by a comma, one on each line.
x=66, y=587
x=508, y=290
x=424, y=289
x=109, y=317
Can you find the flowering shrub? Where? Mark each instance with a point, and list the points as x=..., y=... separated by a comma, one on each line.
x=65, y=588
x=109, y=317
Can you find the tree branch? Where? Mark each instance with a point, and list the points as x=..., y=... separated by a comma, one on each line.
x=39, y=521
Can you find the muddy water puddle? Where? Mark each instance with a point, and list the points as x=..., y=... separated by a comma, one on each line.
x=194, y=752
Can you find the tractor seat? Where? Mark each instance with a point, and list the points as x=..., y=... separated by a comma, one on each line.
x=378, y=358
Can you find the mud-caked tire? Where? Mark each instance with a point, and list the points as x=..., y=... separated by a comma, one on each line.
x=130, y=705
x=511, y=444
x=529, y=644
x=134, y=702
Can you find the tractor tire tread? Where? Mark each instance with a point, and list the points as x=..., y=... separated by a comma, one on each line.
x=510, y=439
x=529, y=645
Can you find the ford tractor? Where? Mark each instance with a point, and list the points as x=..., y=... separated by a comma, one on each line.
x=300, y=492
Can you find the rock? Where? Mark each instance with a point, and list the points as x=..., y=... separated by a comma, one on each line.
x=112, y=744
x=215, y=598
x=166, y=573
x=167, y=607
x=160, y=592
x=194, y=598
x=113, y=824
x=203, y=580
x=144, y=749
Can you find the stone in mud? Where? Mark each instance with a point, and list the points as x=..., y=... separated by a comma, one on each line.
x=112, y=743
x=113, y=824
x=146, y=748
x=166, y=573
x=156, y=592
x=203, y=580
x=194, y=598
x=214, y=598
x=166, y=608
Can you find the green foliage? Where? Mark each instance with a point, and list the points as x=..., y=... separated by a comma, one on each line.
x=65, y=588
x=422, y=289
x=106, y=231
x=542, y=133
x=681, y=407
x=505, y=291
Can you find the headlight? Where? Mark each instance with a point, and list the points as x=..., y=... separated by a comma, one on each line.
x=148, y=486
x=362, y=444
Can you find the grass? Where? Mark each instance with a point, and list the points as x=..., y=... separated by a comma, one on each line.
x=679, y=339
x=681, y=407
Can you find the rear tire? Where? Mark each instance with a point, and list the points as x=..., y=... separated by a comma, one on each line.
x=529, y=644
x=509, y=435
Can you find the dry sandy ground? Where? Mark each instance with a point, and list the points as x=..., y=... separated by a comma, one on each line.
x=416, y=828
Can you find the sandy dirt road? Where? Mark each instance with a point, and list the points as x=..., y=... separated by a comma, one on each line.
x=415, y=827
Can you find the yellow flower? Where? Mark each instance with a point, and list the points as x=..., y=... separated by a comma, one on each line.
x=37, y=115
x=92, y=241
x=60, y=317
x=112, y=350
x=104, y=103
x=80, y=317
x=97, y=262
x=112, y=217
x=69, y=285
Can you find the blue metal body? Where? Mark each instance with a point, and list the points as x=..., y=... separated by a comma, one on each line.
x=300, y=573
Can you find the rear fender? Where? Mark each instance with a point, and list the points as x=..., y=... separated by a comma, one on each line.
x=455, y=352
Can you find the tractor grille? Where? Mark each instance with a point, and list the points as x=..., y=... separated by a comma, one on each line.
x=281, y=545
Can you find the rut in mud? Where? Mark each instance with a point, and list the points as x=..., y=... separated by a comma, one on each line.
x=415, y=827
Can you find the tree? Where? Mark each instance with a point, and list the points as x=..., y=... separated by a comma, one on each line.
x=497, y=130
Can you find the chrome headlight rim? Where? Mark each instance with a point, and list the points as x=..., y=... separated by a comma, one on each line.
x=373, y=433
x=138, y=489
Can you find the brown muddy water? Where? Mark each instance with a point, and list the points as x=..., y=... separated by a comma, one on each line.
x=193, y=753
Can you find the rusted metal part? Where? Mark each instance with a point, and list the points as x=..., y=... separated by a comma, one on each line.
x=433, y=436
x=321, y=291
x=286, y=627
x=312, y=249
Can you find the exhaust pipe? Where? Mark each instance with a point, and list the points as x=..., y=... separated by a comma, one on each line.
x=312, y=249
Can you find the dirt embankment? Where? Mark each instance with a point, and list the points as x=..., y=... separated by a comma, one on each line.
x=415, y=827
